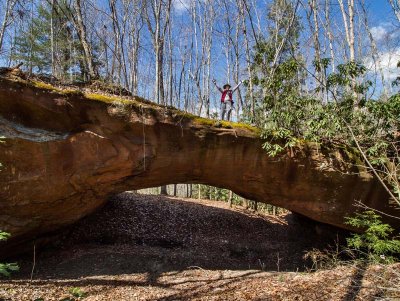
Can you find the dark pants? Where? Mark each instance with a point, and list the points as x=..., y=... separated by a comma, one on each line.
x=226, y=106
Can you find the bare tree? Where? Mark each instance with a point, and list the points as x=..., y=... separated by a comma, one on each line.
x=328, y=30
x=312, y=17
x=135, y=28
x=8, y=9
x=396, y=8
x=157, y=15
x=207, y=41
x=242, y=15
x=80, y=26
x=348, y=21
x=374, y=53
x=52, y=39
x=236, y=49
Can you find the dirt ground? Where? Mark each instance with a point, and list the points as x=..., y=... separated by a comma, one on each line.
x=162, y=248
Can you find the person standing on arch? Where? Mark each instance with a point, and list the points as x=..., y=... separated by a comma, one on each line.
x=226, y=98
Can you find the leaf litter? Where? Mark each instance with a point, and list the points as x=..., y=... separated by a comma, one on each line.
x=141, y=247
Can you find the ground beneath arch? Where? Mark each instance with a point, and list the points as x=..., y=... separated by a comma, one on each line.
x=160, y=248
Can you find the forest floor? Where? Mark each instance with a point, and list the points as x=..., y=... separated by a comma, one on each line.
x=141, y=247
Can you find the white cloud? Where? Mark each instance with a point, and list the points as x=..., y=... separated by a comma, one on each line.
x=384, y=31
x=387, y=61
x=181, y=5
x=379, y=32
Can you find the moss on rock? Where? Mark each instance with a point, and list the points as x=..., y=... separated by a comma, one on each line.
x=138, y=104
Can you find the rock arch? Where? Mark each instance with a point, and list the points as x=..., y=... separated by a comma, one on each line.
x=66, y=151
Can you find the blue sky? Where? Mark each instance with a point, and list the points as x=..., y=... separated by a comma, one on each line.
x=380, y=9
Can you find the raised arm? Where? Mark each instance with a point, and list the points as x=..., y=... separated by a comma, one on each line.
x=237, y=86
x=215, y=83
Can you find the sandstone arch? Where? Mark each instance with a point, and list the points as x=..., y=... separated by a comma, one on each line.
x=66, y=151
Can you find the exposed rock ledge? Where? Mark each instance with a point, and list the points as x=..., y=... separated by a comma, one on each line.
x=65, y=152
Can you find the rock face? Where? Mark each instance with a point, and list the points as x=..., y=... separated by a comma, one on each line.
x=66, y=152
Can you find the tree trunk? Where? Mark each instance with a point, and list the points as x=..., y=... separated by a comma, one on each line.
x=158, y=73
x=349, y=29
x=350, y=4
x=375, y=54
x=314, y=27
x=134, y=63
x=199, y=192
x=119, y=44
x=330, y=35
x=9, y=8
x=175, y=186
x=164, y=190
x=53, y=50
x=170, y=67
x=396, y=8
x=30, y=63
x=248, y=59
x=160, y=16
x=81, y=29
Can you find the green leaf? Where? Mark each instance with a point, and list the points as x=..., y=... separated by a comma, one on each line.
x=376, y=239
x=78, y=292
x=4, y=235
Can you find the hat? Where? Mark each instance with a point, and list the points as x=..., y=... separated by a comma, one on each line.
x=227, y=85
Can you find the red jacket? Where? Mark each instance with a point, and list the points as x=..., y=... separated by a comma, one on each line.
x=229, y=92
